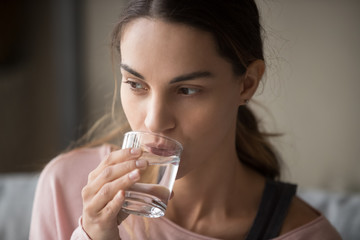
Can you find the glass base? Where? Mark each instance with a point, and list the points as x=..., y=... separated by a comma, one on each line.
x=143, y=204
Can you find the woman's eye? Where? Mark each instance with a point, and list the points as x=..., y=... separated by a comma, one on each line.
x=188, y=91
x=135, y=85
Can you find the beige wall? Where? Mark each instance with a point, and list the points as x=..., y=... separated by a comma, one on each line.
x=311, y=90
x=99, y=20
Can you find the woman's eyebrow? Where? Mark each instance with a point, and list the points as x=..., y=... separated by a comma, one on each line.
x=191, y=76
x=181, y=78
x=132, y=71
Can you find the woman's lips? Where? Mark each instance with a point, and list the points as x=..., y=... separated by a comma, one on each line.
x=160, y=150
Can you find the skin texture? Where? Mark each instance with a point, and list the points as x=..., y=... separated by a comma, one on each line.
x=175, y=83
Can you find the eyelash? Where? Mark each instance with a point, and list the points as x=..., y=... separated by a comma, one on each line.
x=196, y=91
x=180, y=90
x=133, y=87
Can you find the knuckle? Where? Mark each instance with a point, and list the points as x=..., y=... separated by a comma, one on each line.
x=85, y=192
x=125, y=182
x=107, y=172
x=130, y=165
x=91, y=176
x=105, y=190
x=108, y=211
x=88, y=210
x=107, y=159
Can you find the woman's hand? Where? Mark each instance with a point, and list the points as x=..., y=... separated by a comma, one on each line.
x=103, y=196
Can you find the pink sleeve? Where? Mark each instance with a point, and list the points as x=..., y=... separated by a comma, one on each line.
x=79, y=233
x=57, y=203
x=43, y=221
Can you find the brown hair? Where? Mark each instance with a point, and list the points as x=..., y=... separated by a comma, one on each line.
x=236, y=28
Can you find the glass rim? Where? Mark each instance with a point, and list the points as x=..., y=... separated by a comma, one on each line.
x=156, y=134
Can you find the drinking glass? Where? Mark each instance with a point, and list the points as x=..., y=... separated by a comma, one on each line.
x=149, y=196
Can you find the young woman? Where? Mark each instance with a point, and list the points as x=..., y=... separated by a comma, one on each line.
x=189, y=68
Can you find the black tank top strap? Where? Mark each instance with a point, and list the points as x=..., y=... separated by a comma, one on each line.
x=272, y=211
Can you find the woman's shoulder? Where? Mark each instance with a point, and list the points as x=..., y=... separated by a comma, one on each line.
x=304, y=222
x=81, y=160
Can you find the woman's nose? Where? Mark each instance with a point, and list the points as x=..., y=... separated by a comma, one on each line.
x=159, y=117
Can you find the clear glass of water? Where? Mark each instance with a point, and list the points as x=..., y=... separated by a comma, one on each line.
x=149, y=196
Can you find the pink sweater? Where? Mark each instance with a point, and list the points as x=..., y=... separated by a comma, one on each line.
x=58, y=206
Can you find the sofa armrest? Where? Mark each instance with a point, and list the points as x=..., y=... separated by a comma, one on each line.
x=341, y=209
x=16, y=199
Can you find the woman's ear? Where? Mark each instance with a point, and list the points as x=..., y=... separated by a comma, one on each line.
x=251, y=79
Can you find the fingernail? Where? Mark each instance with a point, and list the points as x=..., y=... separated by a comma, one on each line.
x=135, y=151
x=134, y=175
x=120, y=195
x=141, y=163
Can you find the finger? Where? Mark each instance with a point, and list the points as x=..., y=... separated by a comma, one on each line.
x=122, y=155
x=112, y=173
x=112, y=208
x=114, y=158
x=108, y=191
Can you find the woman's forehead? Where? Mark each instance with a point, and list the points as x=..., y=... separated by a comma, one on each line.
x=158, y=29
x=167, y=43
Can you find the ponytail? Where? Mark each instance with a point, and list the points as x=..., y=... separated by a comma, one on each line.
x=253, y=147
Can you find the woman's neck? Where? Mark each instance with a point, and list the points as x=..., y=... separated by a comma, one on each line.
x=222, y=191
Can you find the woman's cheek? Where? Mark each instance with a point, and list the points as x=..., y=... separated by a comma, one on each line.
x=131, y=109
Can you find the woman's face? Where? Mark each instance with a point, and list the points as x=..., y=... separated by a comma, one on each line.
x=175, y=83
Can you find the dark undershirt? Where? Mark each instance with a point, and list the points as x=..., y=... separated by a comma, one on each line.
x=273, y=209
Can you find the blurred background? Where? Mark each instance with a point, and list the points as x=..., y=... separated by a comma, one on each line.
x=56, y=79
x=55, y=76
